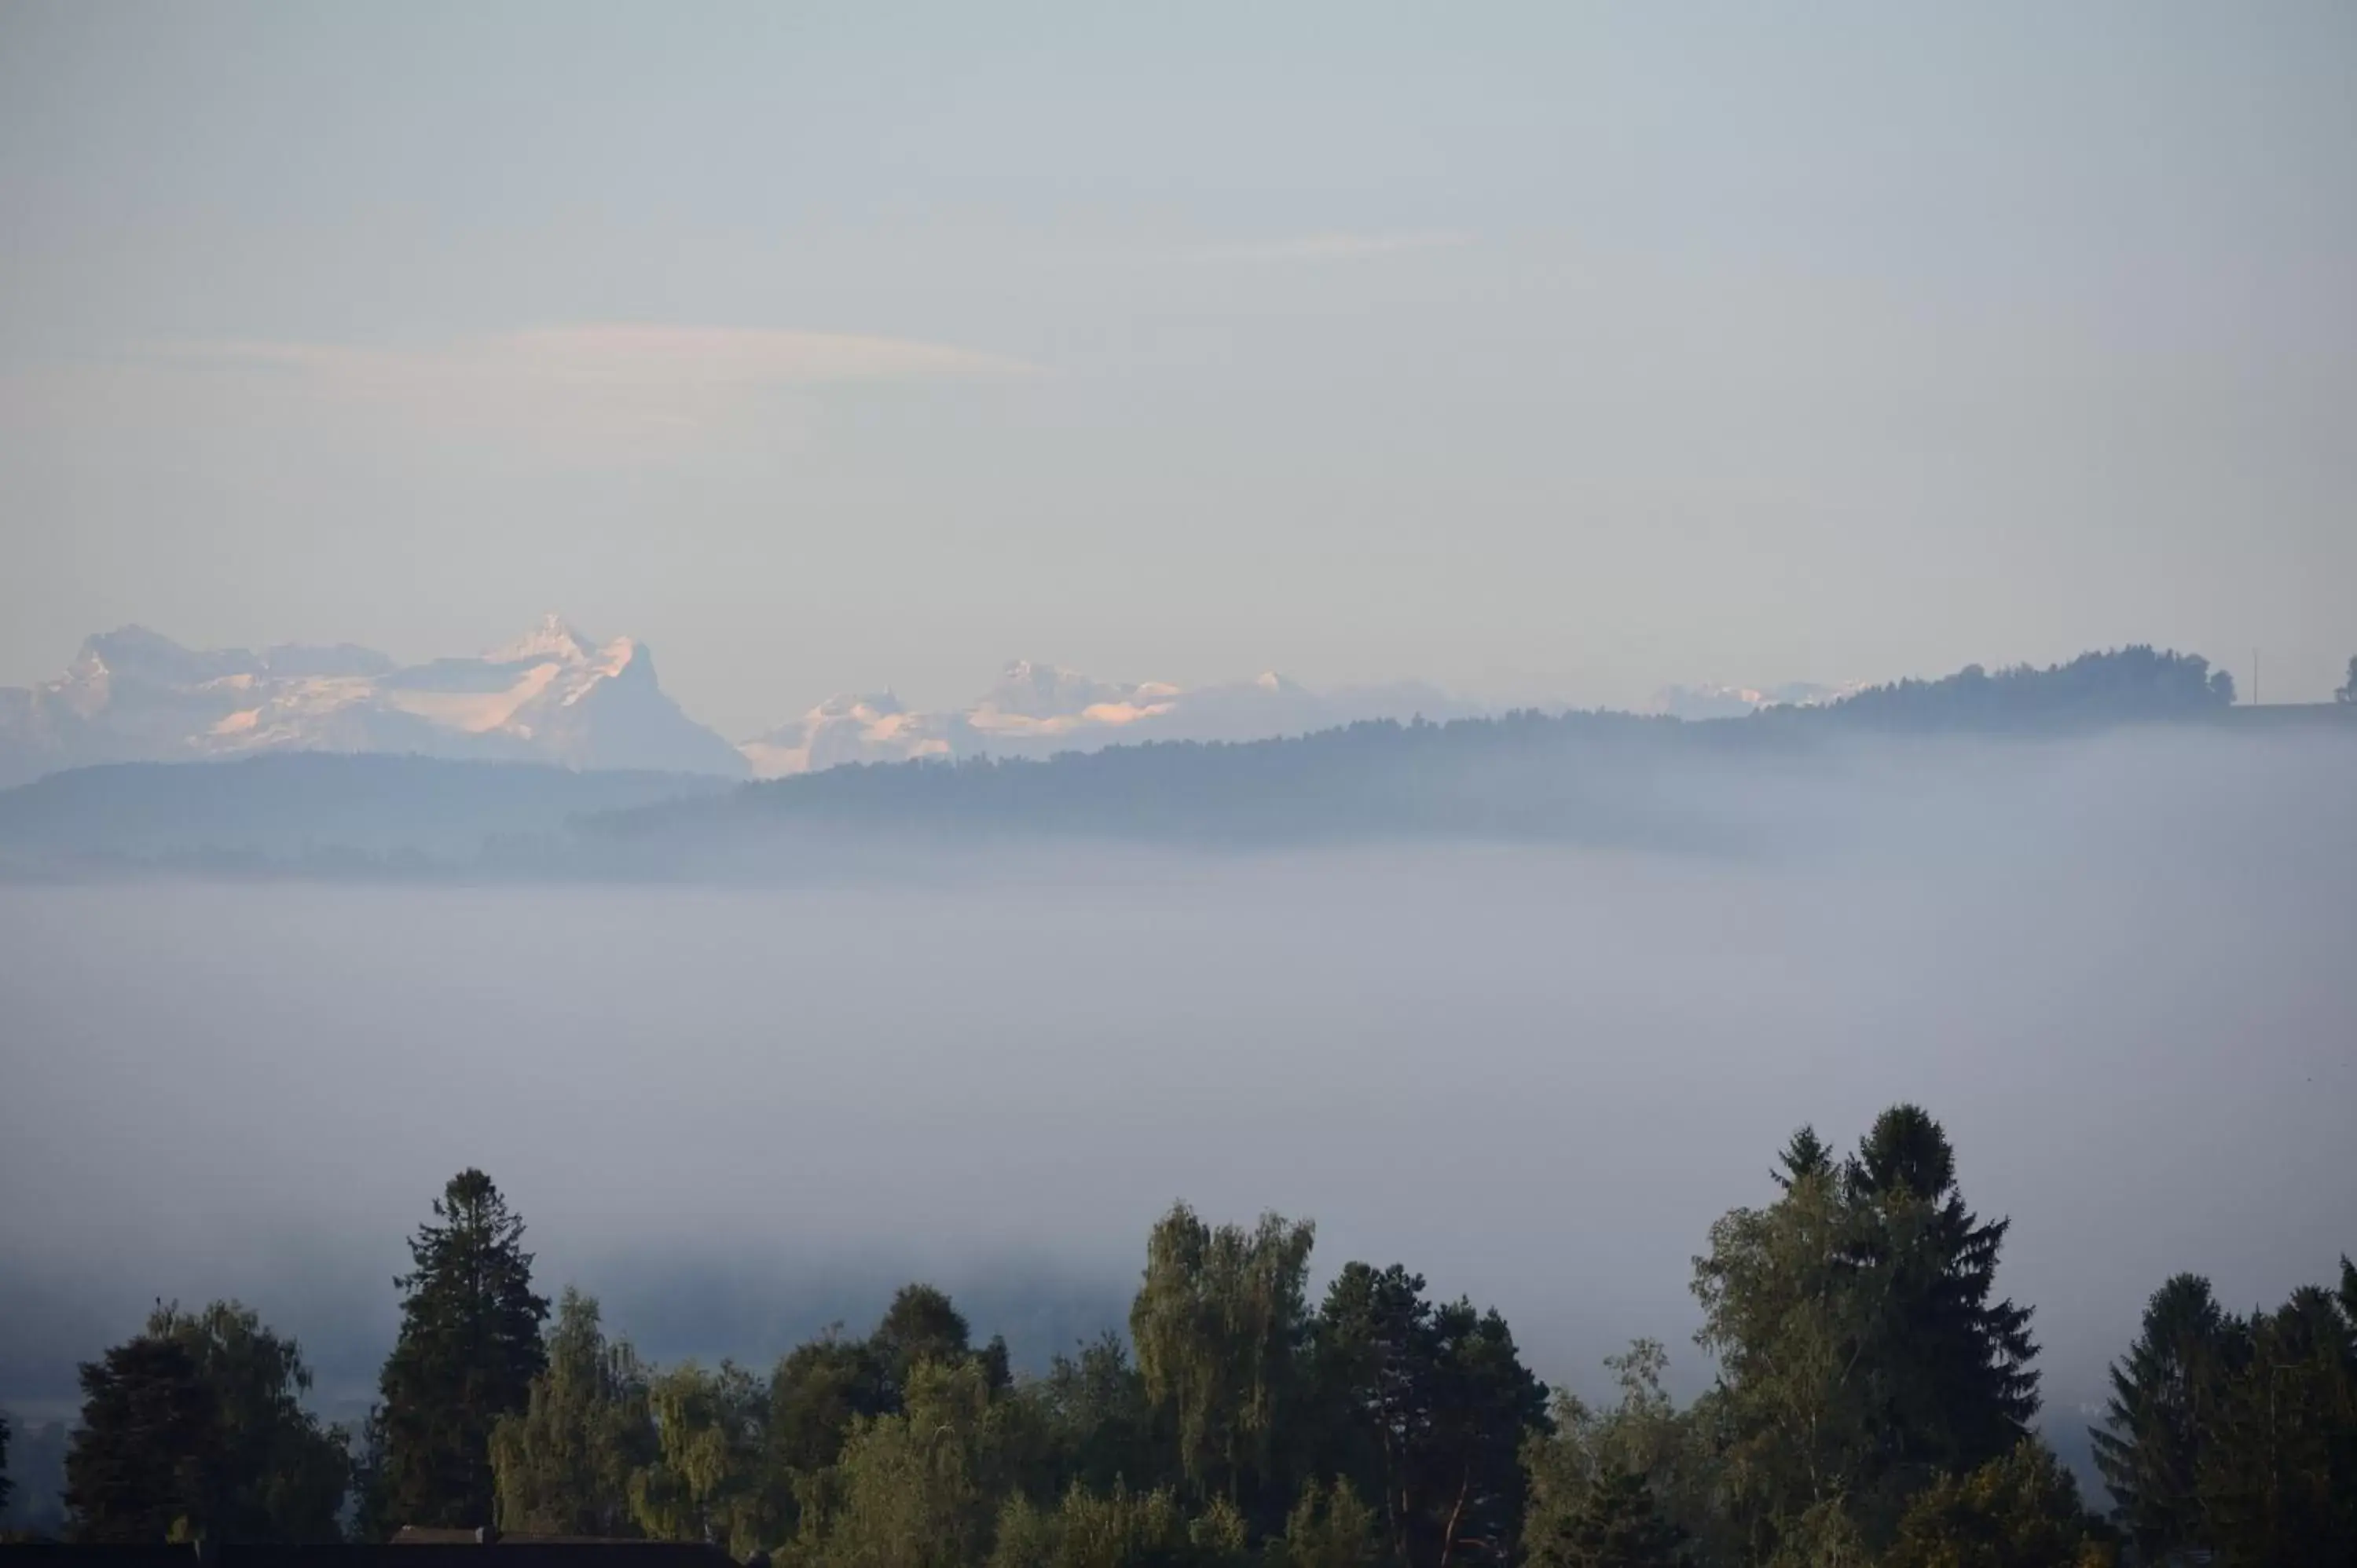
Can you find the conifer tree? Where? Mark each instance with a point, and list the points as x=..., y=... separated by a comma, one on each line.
x=1959, y=1389
x=2279, y=1482
x=2164, y=1406
x=1804, y=1154
x=468, y=1350
x=1861, y=1350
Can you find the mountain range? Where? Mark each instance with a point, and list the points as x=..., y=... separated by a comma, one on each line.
x=550, y=696
x=1787, y=775
x=557, y=696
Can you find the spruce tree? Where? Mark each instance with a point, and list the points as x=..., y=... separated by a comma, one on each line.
x=1861, y=1350
x=468, y=1350
x=2163, y=1407
x=2278, y=1480
x=1805, y=1156
x=1959, y=1390
x=6, y=1486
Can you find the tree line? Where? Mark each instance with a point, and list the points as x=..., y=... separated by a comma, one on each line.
x=1873, y=1404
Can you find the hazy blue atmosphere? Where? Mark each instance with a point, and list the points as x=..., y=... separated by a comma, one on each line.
x=1690, y=669
x=1551, y=354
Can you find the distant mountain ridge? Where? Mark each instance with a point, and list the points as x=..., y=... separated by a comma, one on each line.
x=551, y=696
x=1039, y=710
x=554, y=695
x=558, y=697
x=1621, y=779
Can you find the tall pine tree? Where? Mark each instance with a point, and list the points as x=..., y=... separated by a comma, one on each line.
x=469, y=1348
x=2164, y=1407
x=1959, y=1390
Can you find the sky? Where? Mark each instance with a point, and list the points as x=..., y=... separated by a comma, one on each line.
x=1548, y=352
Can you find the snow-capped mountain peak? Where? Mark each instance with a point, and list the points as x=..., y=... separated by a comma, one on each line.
x=1037, y=709
x=553, y=637
x=551, y=695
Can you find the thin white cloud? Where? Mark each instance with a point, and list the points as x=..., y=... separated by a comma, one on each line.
x=1340, y=247
x=589, y=383
x=608, y=355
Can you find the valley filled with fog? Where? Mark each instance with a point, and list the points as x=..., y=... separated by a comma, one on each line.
x=2116, y=966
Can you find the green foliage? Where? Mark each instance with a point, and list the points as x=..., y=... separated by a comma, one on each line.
x=1102, y=1429
x=2163, y=1412
x=563, y=1464
x=1433, y=1405
x=2019, y=1510
x=908, y=1491
x=922, y=1325
x=2278, y=1481
x=196, y=1428
x=816, y=1392
x=1674, y=1452
x=281, y=1477
x=709, y=1479
x=1959, y=1390
x=1822, y=1535
x=468, y=1350
x=1329, y=1528
x=1215, y=1324
x=145, y=1462
x=1869, y=1411
x=1860, y=1347
x=1617, y=1525
x=1119, y=1528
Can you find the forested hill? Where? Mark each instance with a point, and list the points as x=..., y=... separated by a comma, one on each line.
x=1597, y=777
x=2126, y=685
x=1781, y=776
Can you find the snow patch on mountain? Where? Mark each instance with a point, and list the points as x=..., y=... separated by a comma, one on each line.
x=1734, y=701
x=551, y=696
x=1037, y=710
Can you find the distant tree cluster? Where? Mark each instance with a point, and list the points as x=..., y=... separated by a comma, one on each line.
x=2125, y=685
x=1873, y=1406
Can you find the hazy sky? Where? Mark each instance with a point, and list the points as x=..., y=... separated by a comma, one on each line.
x=1539, y=350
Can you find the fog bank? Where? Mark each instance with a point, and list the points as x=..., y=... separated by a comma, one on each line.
x=2118, y=970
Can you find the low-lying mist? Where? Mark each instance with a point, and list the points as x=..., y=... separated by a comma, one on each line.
x=2118, y=968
